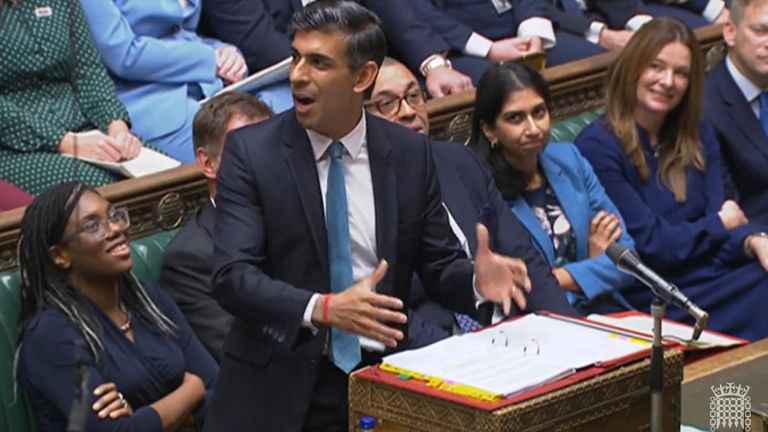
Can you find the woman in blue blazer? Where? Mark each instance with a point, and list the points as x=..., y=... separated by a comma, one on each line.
x=550, y=188
x=160, y=66
x=661, y=166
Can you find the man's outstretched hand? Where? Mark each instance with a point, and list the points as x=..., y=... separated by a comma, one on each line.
x=499, y=278
x=360, y=310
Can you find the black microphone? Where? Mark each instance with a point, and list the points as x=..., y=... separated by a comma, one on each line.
x=627, y=261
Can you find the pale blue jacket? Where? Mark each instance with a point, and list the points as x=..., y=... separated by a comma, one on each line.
x=581, y=197
x=156, y=59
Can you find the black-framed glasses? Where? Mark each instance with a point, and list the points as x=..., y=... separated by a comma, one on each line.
x=100, y=228
x=390, y=105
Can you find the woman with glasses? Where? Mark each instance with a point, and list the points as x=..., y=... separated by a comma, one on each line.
x=550, y=187
x=81, y=305
x=661, y=166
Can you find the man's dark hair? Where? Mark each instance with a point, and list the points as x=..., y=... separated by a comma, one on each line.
x=210, y=125
x=365, y=39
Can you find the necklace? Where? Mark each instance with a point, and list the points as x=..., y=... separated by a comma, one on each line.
x=125, y=328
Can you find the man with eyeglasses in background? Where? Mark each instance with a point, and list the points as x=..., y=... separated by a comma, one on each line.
x=470, y=196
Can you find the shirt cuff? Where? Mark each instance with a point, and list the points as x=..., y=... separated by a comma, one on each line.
x=637, y=21
x=541, y=27
x=713, y=9
x=593, y=34
x=478, y=45
x=306, y=320
x=479, y=299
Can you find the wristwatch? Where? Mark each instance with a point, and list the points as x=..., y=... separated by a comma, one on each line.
x=747, y=250
x=433, y=62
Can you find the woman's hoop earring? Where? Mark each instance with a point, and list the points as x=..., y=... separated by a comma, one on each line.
x=494, y=143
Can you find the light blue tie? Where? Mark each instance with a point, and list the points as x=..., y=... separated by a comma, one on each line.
x=345, y=347
x=764, y=111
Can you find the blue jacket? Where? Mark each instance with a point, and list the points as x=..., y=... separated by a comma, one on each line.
x=581, y=196
x=155, y=57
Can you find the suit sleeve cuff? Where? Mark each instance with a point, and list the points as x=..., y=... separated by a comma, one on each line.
x=713, y=10
x=541, y=27
x=637, y=21
x=478, y=45
x=306, y=320
x=593, y=33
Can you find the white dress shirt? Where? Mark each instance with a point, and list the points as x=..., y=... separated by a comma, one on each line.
x=750, y=91
x=360, y=203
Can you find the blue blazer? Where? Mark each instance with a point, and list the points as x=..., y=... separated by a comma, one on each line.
x=470, y=195
x=743, y=143
x=581, y=197
x=155, y=57
x=270, y=257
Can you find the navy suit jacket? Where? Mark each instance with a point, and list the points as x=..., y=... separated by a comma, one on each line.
x=743, y=143
x=258, y=28
x=614, y=13
x=186, y=275
x=270, y=257
x=471, y=196
x=455, y=20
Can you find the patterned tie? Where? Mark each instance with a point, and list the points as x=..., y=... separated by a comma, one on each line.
x=345, y=347
x=763, y=98
x=466, y=324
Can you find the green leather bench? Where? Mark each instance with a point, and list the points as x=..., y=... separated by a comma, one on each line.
x=567, y=130
x=15, y=412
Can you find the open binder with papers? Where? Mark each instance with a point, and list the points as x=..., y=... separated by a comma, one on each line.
x=516, y=356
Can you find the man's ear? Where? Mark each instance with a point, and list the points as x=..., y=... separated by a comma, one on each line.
x=366, y=77
x=59, y=257
x=729, y=33
x=206, y=163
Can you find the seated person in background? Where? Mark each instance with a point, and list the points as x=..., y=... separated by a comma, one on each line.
x=258, y=27
x=737, y=105
x=187, y=261
x=53, y=86
x=608, y=24
x=695, y=13
x=500, y=30
x=12, y=197
x=80, y=303
x=661, y=166
x=551, y=188
x=160, y=66
x=471, y=197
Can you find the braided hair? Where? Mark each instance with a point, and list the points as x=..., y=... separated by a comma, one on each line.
x=46, y=286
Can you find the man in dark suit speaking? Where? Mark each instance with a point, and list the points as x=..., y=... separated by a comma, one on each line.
x=323, y=214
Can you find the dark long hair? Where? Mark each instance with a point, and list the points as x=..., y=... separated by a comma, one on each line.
x=46, y=286
x=493, y=90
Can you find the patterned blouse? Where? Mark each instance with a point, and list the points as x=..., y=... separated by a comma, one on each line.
x=546, y=207
x=52, y=81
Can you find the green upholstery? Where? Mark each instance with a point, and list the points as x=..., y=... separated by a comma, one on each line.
x=15, y=413
x=567, y=130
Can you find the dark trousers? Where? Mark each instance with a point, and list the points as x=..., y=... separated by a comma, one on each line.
x=328, y=407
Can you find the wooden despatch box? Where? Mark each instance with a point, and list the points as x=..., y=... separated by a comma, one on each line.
x=616, y=400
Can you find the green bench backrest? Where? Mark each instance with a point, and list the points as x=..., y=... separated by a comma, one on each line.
x=567, y=130
x=15, y=413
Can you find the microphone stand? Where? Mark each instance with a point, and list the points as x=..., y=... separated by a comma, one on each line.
x=658, y=309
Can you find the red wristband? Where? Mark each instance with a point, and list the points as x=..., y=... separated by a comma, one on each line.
x=326, y=306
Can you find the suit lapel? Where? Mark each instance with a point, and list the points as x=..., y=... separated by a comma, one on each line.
x=572, y=201
x=301, y=161
x=457, y=199
x=740, y=111
x=384, y=192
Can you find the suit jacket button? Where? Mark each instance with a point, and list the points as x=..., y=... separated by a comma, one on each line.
x=176, y=28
